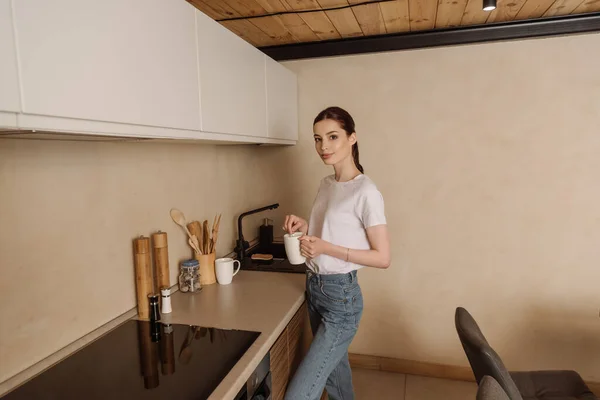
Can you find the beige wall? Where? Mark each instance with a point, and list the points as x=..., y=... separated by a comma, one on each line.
x=488, y=157
x=69, y=212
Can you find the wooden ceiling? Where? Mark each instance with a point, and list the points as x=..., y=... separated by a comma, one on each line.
x=302, y=21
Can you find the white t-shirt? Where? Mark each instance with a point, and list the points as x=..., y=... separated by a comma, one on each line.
x=341, y=213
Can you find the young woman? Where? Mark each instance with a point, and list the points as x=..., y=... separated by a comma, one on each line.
x=347, y=231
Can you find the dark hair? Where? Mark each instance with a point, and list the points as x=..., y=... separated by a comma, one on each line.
x=346, y=123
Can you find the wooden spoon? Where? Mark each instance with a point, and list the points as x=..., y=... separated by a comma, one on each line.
x=178, y=217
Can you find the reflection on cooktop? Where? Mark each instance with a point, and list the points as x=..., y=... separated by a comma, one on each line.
x=143, y=360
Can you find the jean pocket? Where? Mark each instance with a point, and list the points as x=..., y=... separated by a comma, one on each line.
x=351, y=289
x=333, y=292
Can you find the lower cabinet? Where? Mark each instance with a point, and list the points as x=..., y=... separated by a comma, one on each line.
x=288, y=351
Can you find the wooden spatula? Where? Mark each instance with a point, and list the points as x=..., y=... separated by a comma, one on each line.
x=215, y=232
x=205, y=238
x=212, y=235
x=196, y=231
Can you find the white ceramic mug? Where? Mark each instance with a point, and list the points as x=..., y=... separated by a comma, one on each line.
x=292, y=248
x=224, y=270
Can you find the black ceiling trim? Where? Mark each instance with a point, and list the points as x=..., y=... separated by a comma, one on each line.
x=553, y=26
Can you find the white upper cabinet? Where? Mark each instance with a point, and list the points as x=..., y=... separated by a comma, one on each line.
x=232, y=81
x=9, y=79
x=138, y=68
x=282, y=101
x=131, y=62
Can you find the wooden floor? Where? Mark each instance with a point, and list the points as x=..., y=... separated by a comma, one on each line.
x=370, y=384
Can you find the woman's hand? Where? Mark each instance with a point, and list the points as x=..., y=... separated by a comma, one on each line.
x=295, y=224
x=312, y=246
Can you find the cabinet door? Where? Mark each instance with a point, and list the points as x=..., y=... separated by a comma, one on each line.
x=296, y=341
x=282, y=101
x=280, y=366
x=232, y=81
x=9, y=80
x=128, y=61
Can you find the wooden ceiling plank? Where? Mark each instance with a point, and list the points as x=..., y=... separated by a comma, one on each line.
x=215, y=7
x=249, y=32
x=332, y=3
x=450, y=13
x=562, y=7
x=317, y=21
x=247, y=8
x=533, y=9
x=275, y=28
x=422, y=14
x=369, y=18
x=474, y=14
x=395, y=16
x=303, y=4
x=588, y=6
x=345, y=22
x=272, y=6
x=272, y=26
x=506, y=11
x=320, y=25
x=298, y=28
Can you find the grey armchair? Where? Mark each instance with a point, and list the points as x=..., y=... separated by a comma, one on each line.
x=490, y=389
x=530, y=385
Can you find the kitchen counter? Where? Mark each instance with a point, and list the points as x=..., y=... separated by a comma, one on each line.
x=262, y=302
x=255, y=301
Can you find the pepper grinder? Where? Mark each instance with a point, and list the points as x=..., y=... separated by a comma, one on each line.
x=154, y=312
x=165, y=295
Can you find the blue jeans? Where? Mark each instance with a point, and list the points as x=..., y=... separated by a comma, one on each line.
x=335, y=305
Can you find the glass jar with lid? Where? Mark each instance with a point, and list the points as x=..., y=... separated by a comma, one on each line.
x=189, y=276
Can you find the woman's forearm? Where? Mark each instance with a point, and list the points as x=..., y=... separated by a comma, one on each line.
x=370, y=258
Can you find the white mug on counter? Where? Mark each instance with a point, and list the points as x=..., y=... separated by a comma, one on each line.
x=224, y=270
x=292, y=248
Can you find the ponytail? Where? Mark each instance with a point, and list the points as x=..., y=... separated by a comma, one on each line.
x=356, y=158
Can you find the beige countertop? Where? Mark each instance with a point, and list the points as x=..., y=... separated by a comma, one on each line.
x=255, y=301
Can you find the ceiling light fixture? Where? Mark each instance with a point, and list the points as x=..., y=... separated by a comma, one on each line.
x=489, y=5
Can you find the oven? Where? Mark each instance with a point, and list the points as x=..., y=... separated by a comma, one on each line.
x=258, y=386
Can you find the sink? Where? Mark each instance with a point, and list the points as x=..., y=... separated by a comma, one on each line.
x=279, y=263
x=276, y=249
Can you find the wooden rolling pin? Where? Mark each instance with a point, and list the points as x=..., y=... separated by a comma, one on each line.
x=143, y=275
x=161, y=260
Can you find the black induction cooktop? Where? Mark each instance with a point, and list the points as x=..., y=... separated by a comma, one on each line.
x=143, y=360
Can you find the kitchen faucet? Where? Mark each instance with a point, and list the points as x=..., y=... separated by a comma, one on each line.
x=241, y=244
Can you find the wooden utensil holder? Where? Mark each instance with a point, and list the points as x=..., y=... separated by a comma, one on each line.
x=207, y=268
